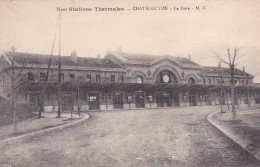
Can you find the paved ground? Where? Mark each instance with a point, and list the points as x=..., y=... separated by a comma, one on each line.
x=160, y=137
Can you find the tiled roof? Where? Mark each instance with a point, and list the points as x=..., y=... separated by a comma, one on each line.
x=137, y=58
x=43, y=59
x=207, y=70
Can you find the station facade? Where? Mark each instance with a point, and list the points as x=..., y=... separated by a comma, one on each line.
x=123, y=80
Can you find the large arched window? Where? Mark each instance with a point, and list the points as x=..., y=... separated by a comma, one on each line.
x=191, y=81
x=139, y=79
x=166, y=77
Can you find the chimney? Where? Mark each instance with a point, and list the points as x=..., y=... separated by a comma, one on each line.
x=73, y=56
x=98, y=57
x=189, y=57
x=219, y=65
x=244, y=69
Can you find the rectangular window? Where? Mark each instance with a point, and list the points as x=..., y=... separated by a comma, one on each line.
x=204, y=80
x=113, y=78
x=30, y=76
x=218, y=81
x=235, y=82
x=72, y=77
x=61, y=77
x=42, y=76
x=122, y=78
x=98, y=78
x=209, y=81
x=88, y=77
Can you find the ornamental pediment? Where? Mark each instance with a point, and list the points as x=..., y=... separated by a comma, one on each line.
x=149, y=60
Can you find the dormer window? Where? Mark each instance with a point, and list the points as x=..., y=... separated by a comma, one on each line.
x=191, y=81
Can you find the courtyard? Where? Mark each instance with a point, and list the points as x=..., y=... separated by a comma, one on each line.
x=155, y=137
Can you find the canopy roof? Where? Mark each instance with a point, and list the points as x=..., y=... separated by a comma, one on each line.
x=86, y=86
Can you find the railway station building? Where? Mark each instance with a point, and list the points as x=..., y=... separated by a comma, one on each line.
x=123, y=80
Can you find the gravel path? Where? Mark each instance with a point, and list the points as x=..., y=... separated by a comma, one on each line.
x=159, y=137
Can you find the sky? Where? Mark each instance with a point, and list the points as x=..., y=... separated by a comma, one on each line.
x=30, y=27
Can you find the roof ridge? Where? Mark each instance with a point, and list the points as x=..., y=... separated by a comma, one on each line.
x=154, y=55
x=43, y=54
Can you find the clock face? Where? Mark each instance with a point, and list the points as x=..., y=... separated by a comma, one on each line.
x=166, y=78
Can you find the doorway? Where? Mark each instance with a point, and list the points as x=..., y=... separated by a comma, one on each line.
x=163, y=99
x=139, y=99
x=192, y=100
x=93, y=101
x=118, y=100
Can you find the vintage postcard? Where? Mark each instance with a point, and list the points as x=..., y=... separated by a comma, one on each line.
x=129, y=83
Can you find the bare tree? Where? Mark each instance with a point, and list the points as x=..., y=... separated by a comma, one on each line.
x=15, y=73
x=231, y=63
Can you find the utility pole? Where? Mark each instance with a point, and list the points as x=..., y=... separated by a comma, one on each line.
x=247, y=88
x=59, y=71
x=78, y=97
x=78, y=91
x=47, y=73
x=13, y=93
x=221, y=88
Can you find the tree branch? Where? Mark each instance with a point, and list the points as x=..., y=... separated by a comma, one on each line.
x=220, y=58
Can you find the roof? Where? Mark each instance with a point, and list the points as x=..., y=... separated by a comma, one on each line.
x=146, y=59
x=43, y=59
x=208, y=70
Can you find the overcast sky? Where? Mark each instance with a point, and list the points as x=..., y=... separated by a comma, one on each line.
x=30, y=26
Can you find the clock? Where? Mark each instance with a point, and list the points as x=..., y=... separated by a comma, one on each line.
x=166, y=78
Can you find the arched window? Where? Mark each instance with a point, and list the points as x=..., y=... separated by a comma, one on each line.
x=139, y=79
x=166, y=77
x=243, y=82
x=191, y=81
